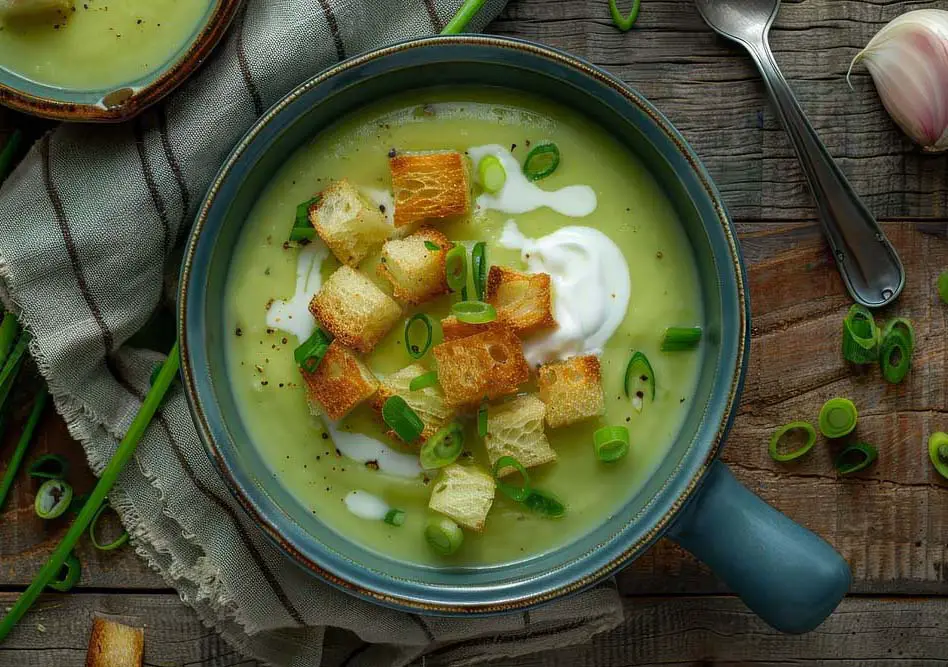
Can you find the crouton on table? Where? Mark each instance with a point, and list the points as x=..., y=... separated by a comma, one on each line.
x=340, y=382
x=113, y=644
x=353, y=309
x=572, y=390
x=486, y=365
x=516, y=429
x=428, y=403
x=464, y=493
x=417, y=272
x=429, y=186
x=523, y=300
x=348, y=223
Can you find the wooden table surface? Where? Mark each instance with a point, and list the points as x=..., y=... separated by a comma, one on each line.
x=890, y=522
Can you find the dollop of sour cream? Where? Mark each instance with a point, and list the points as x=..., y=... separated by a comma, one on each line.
x=293, y=315
x=591, y=289
x=362, y=448
x=520, y=195
x=366, y=505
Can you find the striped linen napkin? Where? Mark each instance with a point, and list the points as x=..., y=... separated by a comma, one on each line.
x=90, y=225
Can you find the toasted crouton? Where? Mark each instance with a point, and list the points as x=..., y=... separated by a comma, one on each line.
x=429, y=186
x=452, y=328
x=523, y=300
x=340, y=382
x=415, y=270
x=516, y=429
x=428, y=403
x=347, y=223
x=353, y=309
x=464, y=493
x=485, y=365
x=113, y=644
x=572, y=390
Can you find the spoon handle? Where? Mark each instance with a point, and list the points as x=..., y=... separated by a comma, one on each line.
x=870, y=267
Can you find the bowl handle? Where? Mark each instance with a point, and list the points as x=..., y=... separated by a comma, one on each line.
x=787, y=575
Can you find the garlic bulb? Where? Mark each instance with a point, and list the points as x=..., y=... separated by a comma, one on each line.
x=908, y=60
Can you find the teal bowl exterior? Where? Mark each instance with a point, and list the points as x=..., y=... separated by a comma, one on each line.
x=691, y=497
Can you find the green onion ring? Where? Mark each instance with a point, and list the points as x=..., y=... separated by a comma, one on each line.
x=402, y=419
x=311, y=352
x=423, y=381
x=302, y=229
x=938, y=452
x=895, y=355
x=902, y=325
x=860, y=336
x=781, y=432
x=491, y=173
x=52, y=498
x=455, y=268
x=443, y=448
x=678, y=339
x=611, y=443
x=639, y=374
x=474, y=312
x=512, y=491
x=395, y=517
x=482, y=420
x=111, y=546
x=479, y=269
x=416, y=351
x=433, y=247
x=49, y=466
x=624, y=23
x=443, y=535
x=545, y=503
x=66, y=580
x=838, y=417
x=541, y=161
x=866, y=452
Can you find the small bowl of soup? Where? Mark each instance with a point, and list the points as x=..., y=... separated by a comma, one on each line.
x=100, y=60
x=464, y=326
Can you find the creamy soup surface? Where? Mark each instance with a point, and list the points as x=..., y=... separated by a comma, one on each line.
x=98, y=44
x=612, y=194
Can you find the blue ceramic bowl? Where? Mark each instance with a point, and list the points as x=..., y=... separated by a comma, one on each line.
x=784, y=572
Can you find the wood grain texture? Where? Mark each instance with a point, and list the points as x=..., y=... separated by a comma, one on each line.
x=710, y=90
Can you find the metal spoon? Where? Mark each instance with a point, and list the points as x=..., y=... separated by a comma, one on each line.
x=867, y=261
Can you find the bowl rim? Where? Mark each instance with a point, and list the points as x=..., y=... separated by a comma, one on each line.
x=698, y=468
x=123, y=103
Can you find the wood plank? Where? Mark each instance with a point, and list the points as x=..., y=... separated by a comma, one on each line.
x=712, y=93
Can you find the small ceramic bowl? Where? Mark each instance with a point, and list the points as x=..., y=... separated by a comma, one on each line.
x=118, y=103
x=785, y=573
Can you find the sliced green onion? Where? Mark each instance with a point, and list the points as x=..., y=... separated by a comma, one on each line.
x=416, y=351
x=938, y=452
x=423, y=381
x=395, y=517
x=895, y=355
x=443, y=535
x=49, y=466
x=68, y=575
x=541, y=161
x=433, y=247
x=302, y=228
x=838, y=417
x=455, y=268
x=804, y=428
x=545, y=503
x=624, y=23
x=474, y=312
x=611, y=443
x=491, y=173
x=402, y=419
x=311, y=352
x=860, y=336
x=52, y=498
x=512, y=491
x=443, y=448
x=639, y=380
x=943, y=286
x=26, y=437
x=864, y=454
x=482, y=420
x=902, y=325
x=116, y=543
x=677, y=339
x=479, y=269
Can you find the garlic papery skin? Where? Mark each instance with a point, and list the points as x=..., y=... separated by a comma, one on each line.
x=908, y=60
